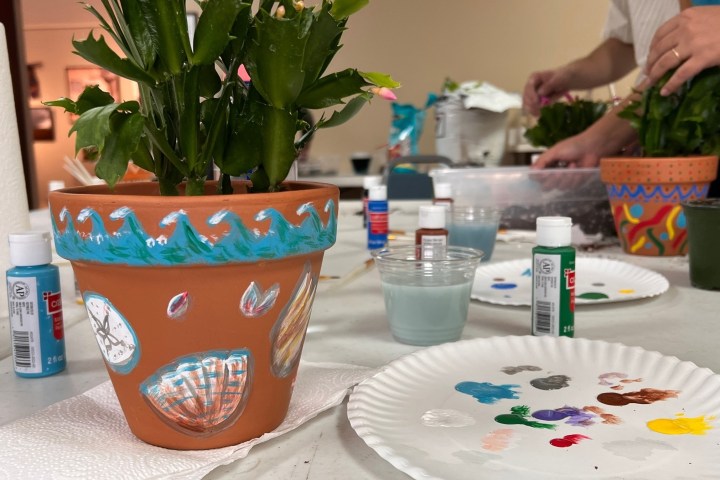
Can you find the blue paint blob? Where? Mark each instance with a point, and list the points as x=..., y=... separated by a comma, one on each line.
x=527, y=273
x=503, y=286
x=550, y=415
x=636, y=210
x=664, y=236
x=486, y=392
x=681, y=221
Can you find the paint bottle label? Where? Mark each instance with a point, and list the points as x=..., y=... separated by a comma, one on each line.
x=553, y=299
x=36, y=321
x=377, y=224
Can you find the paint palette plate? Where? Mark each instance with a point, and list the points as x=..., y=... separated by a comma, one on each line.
x=541, y=407
x=597, y=280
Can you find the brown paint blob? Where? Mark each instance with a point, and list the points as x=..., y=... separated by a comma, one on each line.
x=643, y=397
x=608, y=418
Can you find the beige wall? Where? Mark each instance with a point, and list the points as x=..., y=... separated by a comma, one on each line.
x=418, y=41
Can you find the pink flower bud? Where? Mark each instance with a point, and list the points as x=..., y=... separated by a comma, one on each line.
x=243, y=74
x=280, y=12
x=383, y=92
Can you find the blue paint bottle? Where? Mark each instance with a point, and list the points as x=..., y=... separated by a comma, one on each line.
x=35, y=306
x=377, y=225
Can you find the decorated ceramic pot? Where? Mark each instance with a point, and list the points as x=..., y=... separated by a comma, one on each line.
x=645, y=196
x=199, y=305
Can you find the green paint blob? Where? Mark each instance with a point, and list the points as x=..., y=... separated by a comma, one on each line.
x=522, y=410
x=518, y=416
x=510, y=419
x=592, y=296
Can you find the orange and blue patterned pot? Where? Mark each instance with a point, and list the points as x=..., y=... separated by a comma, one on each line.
x=199, y=304
x=645, y=196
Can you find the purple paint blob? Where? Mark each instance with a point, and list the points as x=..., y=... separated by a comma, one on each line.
x=578, y=417
x=575, y=416
x=549, y=415
x=486, y=392
x=503, y=286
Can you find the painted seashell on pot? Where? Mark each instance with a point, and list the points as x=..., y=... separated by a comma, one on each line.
x=178, y=305
x=202, y=393
x=114, y=334
x=288, y=332
x=255, y=303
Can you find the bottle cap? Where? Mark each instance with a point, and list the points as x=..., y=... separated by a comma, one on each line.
x=442, y=190
x=371, y=181
x=30, y=248
x=377, y=192
x=553, y=231
x=431, y=216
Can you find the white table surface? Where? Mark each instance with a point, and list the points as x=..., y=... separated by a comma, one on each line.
x=348, y=325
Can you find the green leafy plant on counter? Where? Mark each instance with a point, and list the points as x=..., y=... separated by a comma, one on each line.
x=687, y=122
x=195, y=109
x=561, y=120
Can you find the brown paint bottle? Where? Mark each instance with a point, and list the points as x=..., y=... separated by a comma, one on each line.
x=432, y=231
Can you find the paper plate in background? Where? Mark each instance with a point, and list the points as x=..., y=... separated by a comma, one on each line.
x=541, y=407
x=597, y=280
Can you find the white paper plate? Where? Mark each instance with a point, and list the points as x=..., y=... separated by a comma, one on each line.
x=413, y=415
x=597, y=280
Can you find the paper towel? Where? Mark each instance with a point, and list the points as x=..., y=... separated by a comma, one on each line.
x=14, y=214
x=87, y=437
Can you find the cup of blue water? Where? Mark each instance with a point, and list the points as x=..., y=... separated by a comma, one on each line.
x=474, y=227
x=427, y=296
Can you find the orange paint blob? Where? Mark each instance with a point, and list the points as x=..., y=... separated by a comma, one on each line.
x=681, y=425
x=497, y=440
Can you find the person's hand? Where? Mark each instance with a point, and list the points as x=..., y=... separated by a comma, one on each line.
x=689, y=41
x=547, y=85
x=573, y=152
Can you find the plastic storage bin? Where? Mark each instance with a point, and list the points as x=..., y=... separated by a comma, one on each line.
x=523, y=194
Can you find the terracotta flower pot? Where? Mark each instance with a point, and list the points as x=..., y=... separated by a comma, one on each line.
x=645, y=196
x=199, y=304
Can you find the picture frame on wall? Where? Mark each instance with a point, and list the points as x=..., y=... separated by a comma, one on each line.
x=80, y=77
x=43, y=124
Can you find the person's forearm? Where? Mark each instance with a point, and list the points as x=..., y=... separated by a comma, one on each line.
x=611, y=134
x=610, y=61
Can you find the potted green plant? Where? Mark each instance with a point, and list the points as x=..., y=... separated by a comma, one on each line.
x=199, y=299
x=679, y=140
x=561, y=120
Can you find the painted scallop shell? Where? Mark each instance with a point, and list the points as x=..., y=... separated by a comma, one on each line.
x=203, y=392
x=288, y=332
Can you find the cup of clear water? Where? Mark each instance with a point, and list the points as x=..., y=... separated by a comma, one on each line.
x=427, y=296
x=474, y=227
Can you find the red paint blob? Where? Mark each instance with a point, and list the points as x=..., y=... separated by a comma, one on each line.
x=567, y=440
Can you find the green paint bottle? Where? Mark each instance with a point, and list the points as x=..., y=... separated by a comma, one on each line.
x=553, y=292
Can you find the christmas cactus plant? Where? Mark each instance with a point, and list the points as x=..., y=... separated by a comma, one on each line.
x=197, y=105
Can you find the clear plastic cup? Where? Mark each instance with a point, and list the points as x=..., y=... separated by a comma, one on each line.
x=427, y=298
x=474, y=227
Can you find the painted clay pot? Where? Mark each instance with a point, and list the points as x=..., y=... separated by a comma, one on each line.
x=199, y=304
x=645, y=196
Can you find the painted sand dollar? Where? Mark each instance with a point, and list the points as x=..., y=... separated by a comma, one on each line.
x=115, y=337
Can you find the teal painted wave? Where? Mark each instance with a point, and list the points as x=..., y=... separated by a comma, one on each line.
x=129, y=244
x=646, y=193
